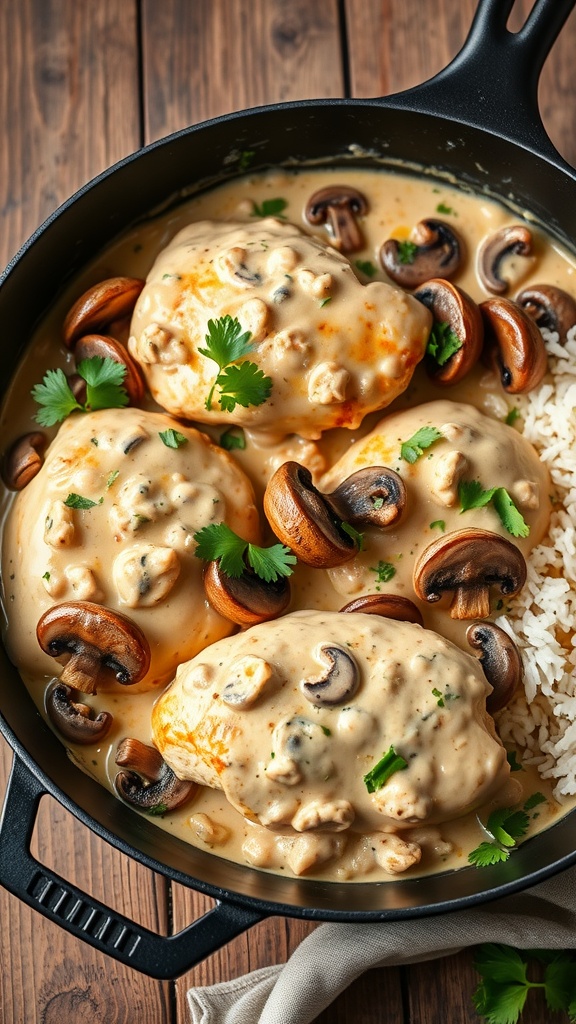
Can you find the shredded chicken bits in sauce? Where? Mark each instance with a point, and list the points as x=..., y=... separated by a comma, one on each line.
x=282, y=775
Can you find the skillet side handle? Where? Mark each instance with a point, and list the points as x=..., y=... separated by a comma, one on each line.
x=158, y=956
x=492, y=83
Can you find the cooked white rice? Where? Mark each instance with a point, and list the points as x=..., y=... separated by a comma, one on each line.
x=541, y=722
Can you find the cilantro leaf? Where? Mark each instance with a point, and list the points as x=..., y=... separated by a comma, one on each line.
x=232, y=439
x=78, y=501
x=437, y=693
x=243, y=384
x=440, y=523
x=473, y=495
x=55, y=398
x=487, y=854
x=407, y=252
x=355, y=535
x=172, y=438
x=506, y=826
x=384, y=571
x=388, y=765
x=219, y=542
x=270, y=208
x=559, y=984
x=534, y=800
x=500, y=963
x=413, y=448
x=442, y=343
x=103, y=376
x=367, y=267
x=226, y=341
x=509, y=515
x=500, y=1004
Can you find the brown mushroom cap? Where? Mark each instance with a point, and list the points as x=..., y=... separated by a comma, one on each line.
x=389, y=606
x=453, y=306
x=500, y=659
x=91, y=345
x=303, y=520
x=74, y=720
x=149, y=784
x=338, y=206
x=245, y=600
x=93, y=642
x=338, y=684
x=98, y=307
x=23, y=460
x=373, y=496
x=439, y=253
x=549, y=307
x=468, y=563
x=513, y=345
x=515, y=239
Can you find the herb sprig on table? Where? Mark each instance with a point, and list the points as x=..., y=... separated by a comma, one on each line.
x=506, y=983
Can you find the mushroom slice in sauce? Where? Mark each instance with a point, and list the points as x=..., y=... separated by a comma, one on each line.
x=516, y=240
x=338, y=206
x=147, y=782
x=439, y=253
x=514, y=345
x=100, y=306
x=23, y=460
x=339, y=682
x=95, y=642
x=91, y=345
x=500, y=659
x=391, y=606
x=453, y=306
x=550, y=307
x=73, y=720
x=468, y=563
x=247, y=599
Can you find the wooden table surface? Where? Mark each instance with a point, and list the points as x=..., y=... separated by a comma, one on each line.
x=82, y=85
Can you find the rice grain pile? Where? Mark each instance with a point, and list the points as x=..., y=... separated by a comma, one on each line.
x=541, y=722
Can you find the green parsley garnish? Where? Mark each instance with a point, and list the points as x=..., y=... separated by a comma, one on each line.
x=219, y=542
x=473, y=495
x=439, y=524
x=388, y=765
x=442, y=343
x=501, y=995
x=78, y=501
x=407, y=252
x=506, y=825
x=384, y=571
x=232, y=439
x=512, y=416
x=240, y=383
x=436, y=693
x=270, y=208
x=442, y=208
x=157, y=810
x=534, y=801
x=325, y=301
x=46, y=576
x=111, y=478
x=413, y=448
x=245, y=159
x=104, y=390
x=172, y=438
x=356, y=536
x=513, y=762
x=367, y=267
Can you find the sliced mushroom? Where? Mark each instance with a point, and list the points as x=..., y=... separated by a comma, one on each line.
x=338, y=684
x=313, y=524
x=390, y=606
x=514, y=345
x=93, y=642
x=514, y=240
x=338, y=206
x=100, y=306
x=549, y=307
x=500, y=659
x=439, y=253
x=74, y=720
x=149, y=784
x=90, y=345
x=247, y=599
x=23, y=460
x=452, y=306
x=468, y=563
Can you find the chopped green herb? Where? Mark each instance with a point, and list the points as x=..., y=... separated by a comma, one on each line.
x=112, y=477
x=506, y=825
x=413, y=448
x=442, y=208
x=94, y=441
x=240, y=384
x=534, y=800
x=442, y=343
x=104, y=390
x=174, y=277
x=512, y=416
x=514, y=765
x=46, y=576
x=218, y=541
x=407, y=252
x=438, y=524
x=233, y=439
x=157, y=810
x=384, y=571
x=436, y=693
x=357, y=537
x=246, y=158
x=326, y=730
x=377, y=503
x=473, y=495
x=325, y=301
x=367, y=267
x=388, y=765
x=172, y=438
x=270, y=208
x=78, y=501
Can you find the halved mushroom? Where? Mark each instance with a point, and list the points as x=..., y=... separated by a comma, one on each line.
x=313, y=524
x=513, y=345
x=338, y=206
x=72, y=719
x=98, y=307
x=389, y=606
x=500, y=659
x=247, y=599
x=439, y=253
x=90, y=345
x=149, y=784
x=549, y=307
x=468, y=563
x=338, y=684
x=514, y=240
x=23, y=460
x=92, y=643
x=454, y=309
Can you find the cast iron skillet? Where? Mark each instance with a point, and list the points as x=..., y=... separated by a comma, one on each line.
x=477, y=120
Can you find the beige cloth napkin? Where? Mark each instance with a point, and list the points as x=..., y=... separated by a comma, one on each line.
x=329, y=959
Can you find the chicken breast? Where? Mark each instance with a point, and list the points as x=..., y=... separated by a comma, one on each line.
x=333, y=349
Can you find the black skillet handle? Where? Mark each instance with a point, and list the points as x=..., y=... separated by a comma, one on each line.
x=78, y=913
x=492, y=83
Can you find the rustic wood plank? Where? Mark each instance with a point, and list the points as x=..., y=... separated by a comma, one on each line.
x=225, y=56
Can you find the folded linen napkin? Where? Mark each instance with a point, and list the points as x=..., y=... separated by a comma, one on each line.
x=332, y=956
